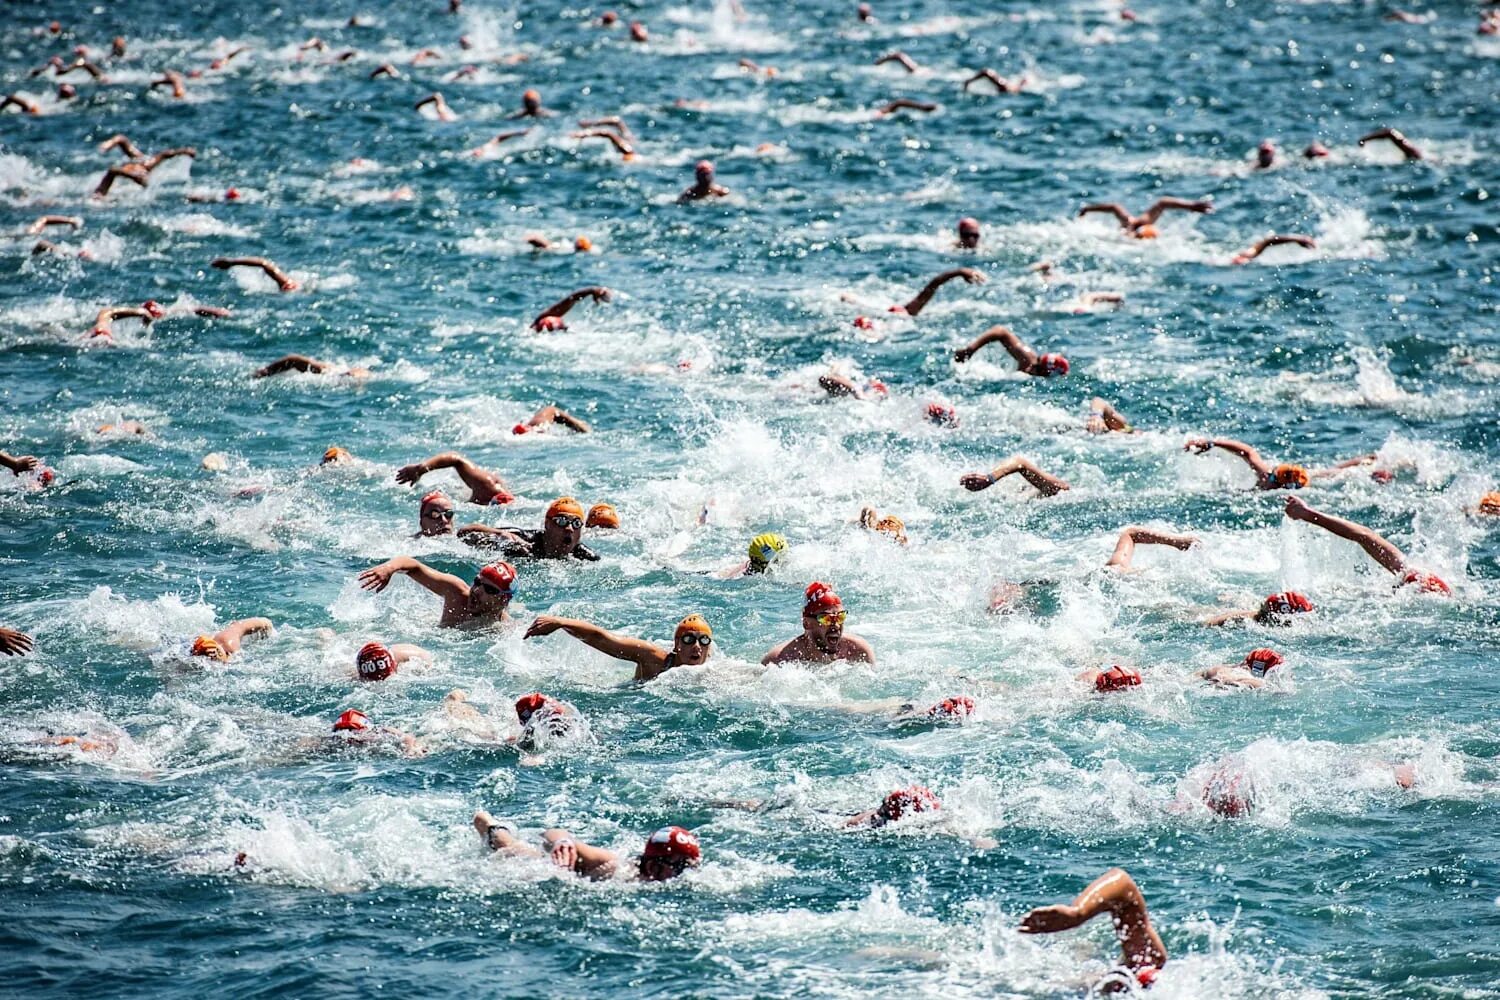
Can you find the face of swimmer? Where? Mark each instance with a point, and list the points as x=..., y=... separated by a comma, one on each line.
x=436, y=517
x=562, y=532
x=824, y=628
x=692, y=645
x=487, y=598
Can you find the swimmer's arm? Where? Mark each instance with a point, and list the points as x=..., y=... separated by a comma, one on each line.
x=1112, y=208
x=561, y=306
x=585, y=553
x=1376, y=546
x=777, y=654
x=403, y=652
x=473, y=476
x=906, y=61
x=13, y=643
x=1114, y=893
x=611, y=121
x=234, y=633
x=1182, y=205
x=621, y=146
x=647, y=657
x=904, y=102
x=1045, y=483
x=923, y=297
x=1247, y=454
x=28, y=107
x=992, y=77
x=168, y=154
x=839, y=385
x=1103, y=418
x=863, y=651
x=292, y=362
x=566, y=851
x=276, y=274
x=1132, y=536
x=482, y=536
x=53, y=220
x=86, y=66
x=1227, y=675
x=445, y=585
x=1400, y=141
x=1224, y=618
x=572, y=423
x=1279, y=239
x=867, y=818
x=1024, y=356
x=18, y=463
x=124, y=145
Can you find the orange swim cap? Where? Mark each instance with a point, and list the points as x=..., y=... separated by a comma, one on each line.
x=1490, y=503
x=692, y=623
x=207, y=645
x=603, y=515
x=335, y=454
x=893, y=526
x=583, y=244
x=564, y=505
x=1146, y=233
x=1290, y=477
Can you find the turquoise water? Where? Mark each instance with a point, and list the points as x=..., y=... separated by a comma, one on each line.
x=117, y=872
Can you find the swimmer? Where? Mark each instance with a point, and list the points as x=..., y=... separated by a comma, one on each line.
x=1028, y=362
x=309, y=366
x=385, y=69
x=1248, y=673
x=485, y=487
x=21, y=104
x=1396, y=139
x=138, y=172
x=560, y=536
x=335, y=455
x=690, y=643
x=638, y=32
x=954, y=709
x=13, y=643
x=896, y=806
x=917, y=304
x=18, y=464
x=549, y=415
x=41, y=223
x=353, y=728
x=668, y=852
x=968, y=233
x=1132, y=536
x=425, y=56
x=1276, y=610
x=1002, y=85
x=1143, y=227
x=434, y=516
x=483, y=602
x=123, y=144
x=1488, y=506
x=485, y=148
x=926, y=107
x=612, y=122
x=541, y=715
x=226, y=59
x=703, y=184
x=839, y=386
x=440, y=108
x=1282, y=477
x=172, y=80
x=602, y=515
x=1375, y=546
x=1265, y=155
x=1117, y=894
x=823, y=639
x=763, y=552
x=865, y=14
x=891, y=526
x=117, y=47
x=224, y=643
x=1105, y=419
x=906, y=61
x=531, y=107
x=1111, y=678
x=626, y=151
x=1316, y=151
x=376, y=662
x=104, y=321
x=1046, y=484
x=1261, y=246
x=276, y=274
x=551, y=318
x=750, y=66
x=123, y=427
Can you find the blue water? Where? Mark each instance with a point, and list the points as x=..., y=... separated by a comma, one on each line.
x=117, y=872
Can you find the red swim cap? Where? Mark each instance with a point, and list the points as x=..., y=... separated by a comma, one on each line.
x=819, y=596
x=549, y=324
x=154, y=308
x=1262, y=661
x=519, y=429
x=1428, y=583
x=499, y=574
x=353, y=721
x=953, y=708
x=1146, y=974
x=433, y=496
x=374, y=662
x=232, y=194
x=528, y=705
x=1222, y=795
x=942, y=414
x=1052, y=364
x=674, y=844
x=501, y=497
x=916, y=799
x=864, y=323
x=1117, y=678
x=1288, y=603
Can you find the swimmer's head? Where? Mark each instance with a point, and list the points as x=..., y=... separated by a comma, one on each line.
x=823, y=615
x=153, y=309
x=764, y=550
x=66, y=92
x=952, y=708
x=207, y=645
x=602, y=515
x=1427, y=583
x=352, y=721
x=1289, y=477
x=1049, y=365
x=233, y=194
x=968, y=232
x=704, y=171
x=549, y=324
x=1277, y=608
x=906, y=801
x=531, y=101
x=892, y=527
x=668, y=852
x=608, y=18
x=563, y=523
x=583, y=244
x=374, y=662
x=1147, y=233
x=864, y=323
x=529, y=704
x=1229, y=793
x=435, y=516
x=1490, y=503
x=692, y=640
x=1117, y=678
x=1315, y=150
x=494, y=587
x=1262, y=661
x=942, y=414
x=1265, y=154
x=334, y=455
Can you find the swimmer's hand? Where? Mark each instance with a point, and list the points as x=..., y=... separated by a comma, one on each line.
x=1047, y=919
x=565, y=854
x=412, y=474
x=975, y=481
x=1197, y=446
x=971, y=276
x=963, y=354
x=13, y=643
x=377, y=578
x=544, y=625
x=18, y=463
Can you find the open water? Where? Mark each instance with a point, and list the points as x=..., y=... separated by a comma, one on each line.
x=117, y=874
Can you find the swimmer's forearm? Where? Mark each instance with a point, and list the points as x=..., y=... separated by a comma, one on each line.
x=1244, y=451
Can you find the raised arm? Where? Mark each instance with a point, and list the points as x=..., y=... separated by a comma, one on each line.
x=18, y=463
x=917, y=304
x=1375, y=545
x=109, y=314
x=475, y=478
x=25, y=106
x=1165, y=204
x=1132, y=536
x=53, y=220
x=1110, y=208
x=276, y=274
x=612, y=121
x=621, y=146
x=561, y=306
x=445, y=585
x=1024, y=356
x=1001, y=84
x=134, y=172
x=647, y=657
x=153, y=162
x=906, y=61
x=1397, y=139
x=124, y=145
x=1046, y=484
x=1114, y=893
x=904, y=102
x=552, y=414
x=1249, y=455
x=1261, y=246
x=231, y=635
x=292, y=362
x=86, y=66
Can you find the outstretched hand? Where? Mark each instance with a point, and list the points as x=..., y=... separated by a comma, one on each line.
x=411, y=474
x=13, y=643
x=972, y=276
x=565, y=854
x=1296, y=508
x=376, y=578
x=975, y=481
x=544, y=625
x=1197, y=445
x=1046, y=919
